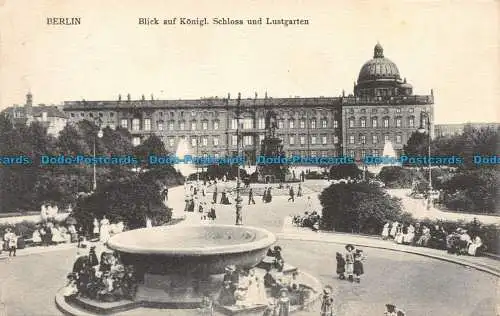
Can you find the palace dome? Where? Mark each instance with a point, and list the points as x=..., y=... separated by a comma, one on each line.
x=379, y=67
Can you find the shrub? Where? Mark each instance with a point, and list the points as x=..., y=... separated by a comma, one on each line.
x=358, y=207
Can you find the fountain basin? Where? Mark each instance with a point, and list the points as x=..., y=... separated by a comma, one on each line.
x=192, y=249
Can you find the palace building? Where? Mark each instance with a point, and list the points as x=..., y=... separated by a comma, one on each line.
x=382, y=108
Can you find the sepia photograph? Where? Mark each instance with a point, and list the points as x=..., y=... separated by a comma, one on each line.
x=249, y=158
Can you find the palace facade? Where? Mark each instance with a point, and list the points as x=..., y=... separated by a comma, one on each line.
x=382, y=108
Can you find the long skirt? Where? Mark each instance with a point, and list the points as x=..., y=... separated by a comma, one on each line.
x=349, y=268
x=358, y=268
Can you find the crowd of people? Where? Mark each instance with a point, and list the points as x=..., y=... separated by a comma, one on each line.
x=456, y=242
x=106, y=279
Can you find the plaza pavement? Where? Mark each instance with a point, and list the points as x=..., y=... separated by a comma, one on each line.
x=394, y=274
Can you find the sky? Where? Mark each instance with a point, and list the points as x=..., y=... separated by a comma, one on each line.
x=452, y=47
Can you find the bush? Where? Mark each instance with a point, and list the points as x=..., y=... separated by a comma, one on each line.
x=358, y=207
x=314, y=175
x=23, y=228
x=345, y=171
x=396, y=177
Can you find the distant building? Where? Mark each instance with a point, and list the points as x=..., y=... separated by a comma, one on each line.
x=444, y=130
x=382, y=109
x=49, y=115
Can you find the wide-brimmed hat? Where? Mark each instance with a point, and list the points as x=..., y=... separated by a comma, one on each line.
x=327, y=290
x=390, y=306
x=349, y=246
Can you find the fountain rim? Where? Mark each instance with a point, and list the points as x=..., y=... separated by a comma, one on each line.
x=259, y=244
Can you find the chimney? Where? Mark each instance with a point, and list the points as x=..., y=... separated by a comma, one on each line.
x=143, y=98
x=256, y=95
x=119, y=97
x=265, y=96
x=229, y=96
x=152, y=97
x=128, y=97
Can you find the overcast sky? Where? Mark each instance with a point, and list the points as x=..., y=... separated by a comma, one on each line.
x=449, y=46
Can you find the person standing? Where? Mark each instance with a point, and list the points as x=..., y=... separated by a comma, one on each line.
x=292, y=194
x=10, y=239
x=299, y=191
x=104, y=234
x=214, y=196
x=358, y=264
x=340, y=266
x=283, y=303
x=96, y=228
x=264, y=195
x=250, y=197
x=349, y=262
x=327, y=302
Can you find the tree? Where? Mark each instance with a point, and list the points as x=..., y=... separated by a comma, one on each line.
x=358, y=207
x=417, y=145
x=153, y=145
x=130, y=201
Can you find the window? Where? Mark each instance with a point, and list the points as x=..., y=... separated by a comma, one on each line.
x=386, y=139
x=335, y=139
x=386, y=122
x=398, y=110
x=161, y=113
x=374, y=139
x=216, y=124
x=398, y=122
x=193, y=113
x=261, y=138
x=281, y=124
x=147, y=124
x=204, y=141
x=351, y=139
x=193, y=125
x=291, y=123
x=111, y=114
x=216, y=140
x=136, y=141
x=17, y=114
x=351, y=122
x=292, y=140
x=363, y=153
x=335, y=124
x=124, y=123
x=182, y=125
x=302, y=124
x=324, y=123
x=374, y=110
x=262, y=123
x=374, y=122
x=82, y=114
x=323, y=140
x=313, y=140
x=410, y=110
x=302, y=140
x=100, y=114
x=234, y=140
x=375, y=152
x=248, y=123
x=171, y=125
x=160, y=125
x=194, y=142
x=171, y=141
x=411, y=121
x=352, y=153
x=234, y=124
x=136, y=124
x=182, y=113
x=362, y=139
x=204, y=125
x=362, y=111
x=247, y=140
x=362, y=122
x=112, y=126
x=398, y=139
x=313, y=123
x=91, y=114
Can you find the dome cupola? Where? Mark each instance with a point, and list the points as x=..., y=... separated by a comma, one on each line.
x=378, y=68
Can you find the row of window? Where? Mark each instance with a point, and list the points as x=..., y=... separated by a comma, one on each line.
x=398, y=122
x=375, y=110
x=246, y=123
x=375, y=139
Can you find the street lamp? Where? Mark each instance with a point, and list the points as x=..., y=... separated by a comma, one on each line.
x=239, y=219
x=99, y=135
x=425, y=117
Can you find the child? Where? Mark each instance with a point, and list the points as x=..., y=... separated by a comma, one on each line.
x=358, y=264
x=71, y=288
x=349, y=260
x=340, y=266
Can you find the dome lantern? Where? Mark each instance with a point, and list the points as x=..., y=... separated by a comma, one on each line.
x=378, y=51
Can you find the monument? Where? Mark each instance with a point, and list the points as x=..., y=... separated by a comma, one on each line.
x=272, y=147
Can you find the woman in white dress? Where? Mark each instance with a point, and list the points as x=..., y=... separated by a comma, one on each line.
x=96, y=228
x=410, y=235
x=475, y=245
x=104, y=233
x=256, y=291
x=394, y=229
x=399, y=234
x=385, y=231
